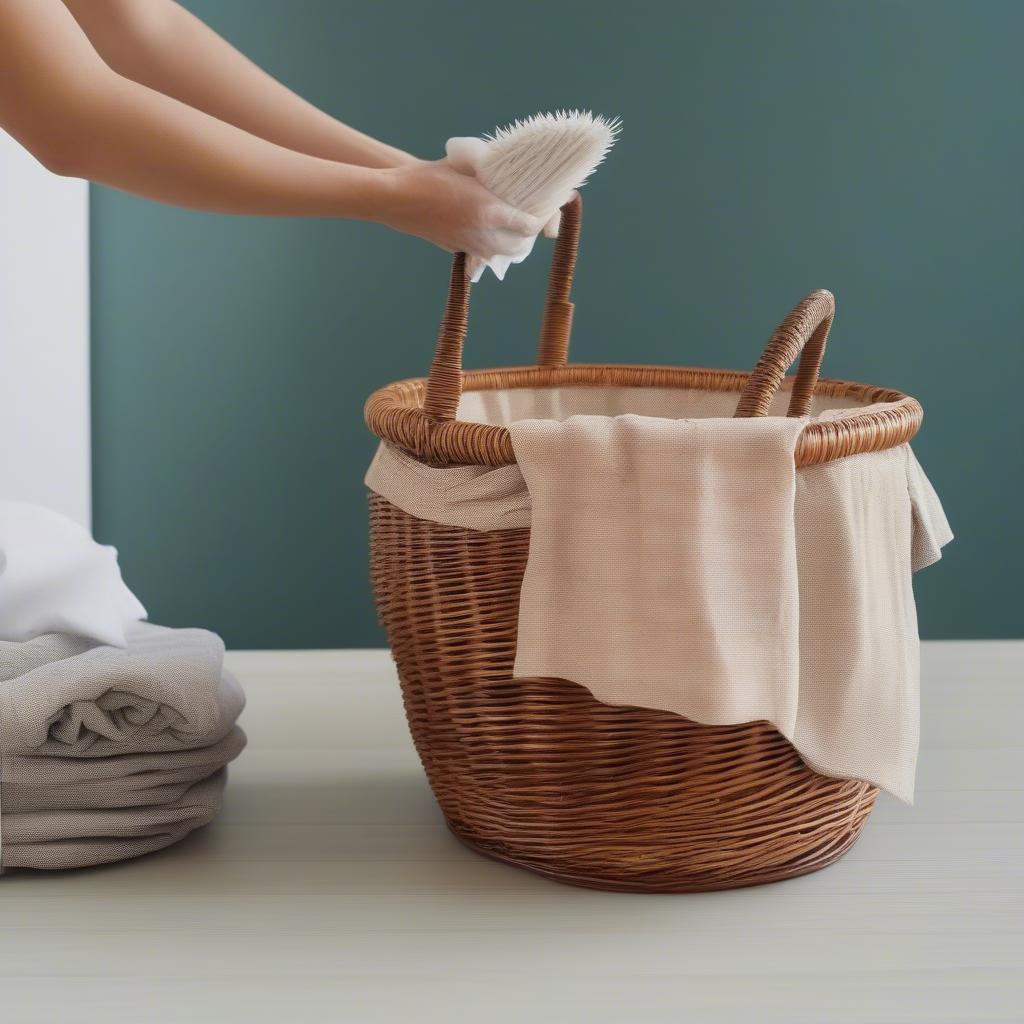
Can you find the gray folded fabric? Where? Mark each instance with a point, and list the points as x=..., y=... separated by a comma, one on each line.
x=108, y=753
x=57, y=840
x=31, y=783
x=165, y=691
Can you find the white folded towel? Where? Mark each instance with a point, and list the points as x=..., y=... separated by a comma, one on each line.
x=54, y=578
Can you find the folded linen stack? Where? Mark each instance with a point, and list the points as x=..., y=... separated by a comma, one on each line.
x=108, y=753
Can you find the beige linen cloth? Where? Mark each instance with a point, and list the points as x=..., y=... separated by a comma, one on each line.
x=686, y=565
x=662, y=567
x=108, y=753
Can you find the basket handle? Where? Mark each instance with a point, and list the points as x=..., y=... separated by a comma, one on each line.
x=444, y=383
x=803, y=333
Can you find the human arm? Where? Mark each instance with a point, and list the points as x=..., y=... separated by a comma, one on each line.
x=81, y=118
x=160, y=44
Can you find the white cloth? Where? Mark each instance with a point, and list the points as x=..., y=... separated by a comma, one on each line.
x=860, y=526
x=468, y=155
x=534, y=165
x=54, y=578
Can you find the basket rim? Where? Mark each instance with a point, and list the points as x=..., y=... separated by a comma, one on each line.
x=395, y=411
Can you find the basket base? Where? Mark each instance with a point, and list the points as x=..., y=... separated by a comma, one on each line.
x=676, y=886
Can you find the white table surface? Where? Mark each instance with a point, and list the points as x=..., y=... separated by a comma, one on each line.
x=330, y=890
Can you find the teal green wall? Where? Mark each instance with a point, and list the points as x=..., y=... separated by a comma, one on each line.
x=769, y=148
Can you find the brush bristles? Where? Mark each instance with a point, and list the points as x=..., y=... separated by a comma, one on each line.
x=536, y=163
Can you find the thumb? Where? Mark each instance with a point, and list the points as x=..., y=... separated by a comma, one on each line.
x=465, y=153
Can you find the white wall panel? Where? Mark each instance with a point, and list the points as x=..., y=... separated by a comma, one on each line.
x=44, y=335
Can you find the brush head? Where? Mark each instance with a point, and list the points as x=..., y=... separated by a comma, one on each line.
x=535, y=164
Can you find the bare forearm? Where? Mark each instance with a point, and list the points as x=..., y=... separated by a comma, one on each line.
x=83, y=119
x=161, y=45
x=135, y=139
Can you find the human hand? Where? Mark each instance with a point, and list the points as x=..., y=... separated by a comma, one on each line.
x=467, y=154
x=435, y=201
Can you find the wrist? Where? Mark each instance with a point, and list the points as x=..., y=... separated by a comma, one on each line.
x=385, y=191
x=367, y=193
x=399, y=158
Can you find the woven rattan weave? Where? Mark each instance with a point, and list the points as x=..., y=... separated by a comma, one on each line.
x=537, y=772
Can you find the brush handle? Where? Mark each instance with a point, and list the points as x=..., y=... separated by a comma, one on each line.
x=444, y=383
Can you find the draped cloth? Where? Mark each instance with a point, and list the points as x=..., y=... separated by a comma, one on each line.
x=687, y=565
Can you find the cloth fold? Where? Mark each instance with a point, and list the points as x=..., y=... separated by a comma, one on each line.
x=62, y=839
x=165, y=691
x=860, y=525
x=54, y=578
x=931, y=531
x=859, y=651
x=472, y=497
x=662, y=547
x=33, y=783
x=108, y=753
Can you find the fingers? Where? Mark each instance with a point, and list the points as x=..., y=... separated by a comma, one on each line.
x=500, y=247
x=518, y=222
x=505, y=234
x=465, y=153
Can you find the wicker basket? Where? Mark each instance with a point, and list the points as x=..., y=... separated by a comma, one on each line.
x=536, y=772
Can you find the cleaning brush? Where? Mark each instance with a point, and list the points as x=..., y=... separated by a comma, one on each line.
x=535, y=165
